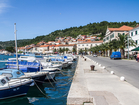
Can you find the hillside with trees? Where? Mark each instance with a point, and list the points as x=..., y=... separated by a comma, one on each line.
x=89, y=29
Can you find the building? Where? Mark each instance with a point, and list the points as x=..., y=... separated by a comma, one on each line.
x=87, y=45
x=112, y=33
x=134, y=35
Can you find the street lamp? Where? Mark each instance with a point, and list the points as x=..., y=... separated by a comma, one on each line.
x=128, y=44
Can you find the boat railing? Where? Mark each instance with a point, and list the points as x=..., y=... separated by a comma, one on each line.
x=19, y=81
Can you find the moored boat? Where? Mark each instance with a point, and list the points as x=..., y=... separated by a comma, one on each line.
x=13, y=87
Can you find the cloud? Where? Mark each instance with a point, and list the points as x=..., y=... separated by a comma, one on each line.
x=3, y=6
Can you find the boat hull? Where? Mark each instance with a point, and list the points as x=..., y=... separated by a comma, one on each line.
x=14, y=91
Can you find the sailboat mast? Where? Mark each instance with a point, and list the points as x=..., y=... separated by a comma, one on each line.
x=16, y=45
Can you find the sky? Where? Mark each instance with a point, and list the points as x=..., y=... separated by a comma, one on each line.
x=40, y=17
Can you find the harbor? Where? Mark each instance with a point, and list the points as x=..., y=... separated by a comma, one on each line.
x=51, y=92
x=99, y=86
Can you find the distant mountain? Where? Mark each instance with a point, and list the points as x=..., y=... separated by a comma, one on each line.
x=89, y=29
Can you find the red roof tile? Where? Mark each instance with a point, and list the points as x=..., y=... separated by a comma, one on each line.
x=123, y=28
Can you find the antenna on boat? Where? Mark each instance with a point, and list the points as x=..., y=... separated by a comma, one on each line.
x=16, y=45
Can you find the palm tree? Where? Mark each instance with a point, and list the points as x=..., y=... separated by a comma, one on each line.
x=74, y=50
x=102, y=49
x=115, y=44
x=110, y=46
x=60, y=50
x=63, y=50
x=67, y=49
x=85, y=50
x=123, y=42
x=54, y=50
x=106, y=47
x=81, y=51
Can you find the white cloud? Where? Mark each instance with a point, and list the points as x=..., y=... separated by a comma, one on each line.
x=3, y=6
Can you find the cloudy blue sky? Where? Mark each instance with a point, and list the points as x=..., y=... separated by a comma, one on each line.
x=41, y=17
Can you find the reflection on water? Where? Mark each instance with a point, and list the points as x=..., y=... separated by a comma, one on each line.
x=49, y=93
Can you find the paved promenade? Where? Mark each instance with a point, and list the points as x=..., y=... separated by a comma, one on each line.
x=99, y=87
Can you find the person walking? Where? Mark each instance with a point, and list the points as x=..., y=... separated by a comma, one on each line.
x=138, y=57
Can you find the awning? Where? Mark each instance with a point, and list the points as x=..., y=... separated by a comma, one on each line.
x=135, y=49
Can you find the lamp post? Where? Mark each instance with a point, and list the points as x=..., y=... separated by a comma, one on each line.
x=128, y=44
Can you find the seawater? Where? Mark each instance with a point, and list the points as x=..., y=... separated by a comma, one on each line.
x=49, y=93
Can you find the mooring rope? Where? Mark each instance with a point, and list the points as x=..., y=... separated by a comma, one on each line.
x=46, y=95
x=64, y=84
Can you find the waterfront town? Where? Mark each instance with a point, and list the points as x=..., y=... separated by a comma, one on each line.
x=94, y=79
x=83, y=42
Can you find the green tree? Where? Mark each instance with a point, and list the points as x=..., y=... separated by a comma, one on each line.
x=74, y=50
x=67, y=49
x=80, y=51
x=60, y=50
x=54, y=50
x=10, y=49
x=85, y=50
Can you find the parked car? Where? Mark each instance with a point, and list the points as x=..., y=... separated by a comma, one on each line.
x=95, y=55
x=116, y=55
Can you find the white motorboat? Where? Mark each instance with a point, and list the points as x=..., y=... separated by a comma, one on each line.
x=13, y=87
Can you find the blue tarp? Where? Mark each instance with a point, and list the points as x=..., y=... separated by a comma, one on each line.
x=25, y=66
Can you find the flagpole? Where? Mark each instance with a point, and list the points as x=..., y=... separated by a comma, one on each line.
x=16, y=45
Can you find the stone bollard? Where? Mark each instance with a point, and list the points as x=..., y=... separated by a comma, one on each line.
x=92, y=67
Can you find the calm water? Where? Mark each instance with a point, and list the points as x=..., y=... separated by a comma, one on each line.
x=49, y=93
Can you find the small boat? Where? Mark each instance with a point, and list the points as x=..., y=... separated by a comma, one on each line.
x=13, y=87
x=52, y=72
x=38, y=77
x=47, y=63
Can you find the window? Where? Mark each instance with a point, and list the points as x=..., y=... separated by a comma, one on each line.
x=123, y=33
x=103, y=40
x=118, y=34
x=82, y=45
x=3, y=81
x=87, y=45
x=78, y=45
x=131, y=33
x=136, y=41
x=18, y=73
x=136, y=32
x=112, y=36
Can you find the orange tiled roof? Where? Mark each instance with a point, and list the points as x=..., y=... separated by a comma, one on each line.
x=64, y=45
x=21, y=48
x=44, y=45
x=92, y=42
x=123, y=28
x=29, y=48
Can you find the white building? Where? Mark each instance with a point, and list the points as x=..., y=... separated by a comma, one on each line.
x=112, y=33
x=87, y=45
x=134, y=34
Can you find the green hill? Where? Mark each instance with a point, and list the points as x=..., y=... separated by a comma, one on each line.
x=92, y=28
